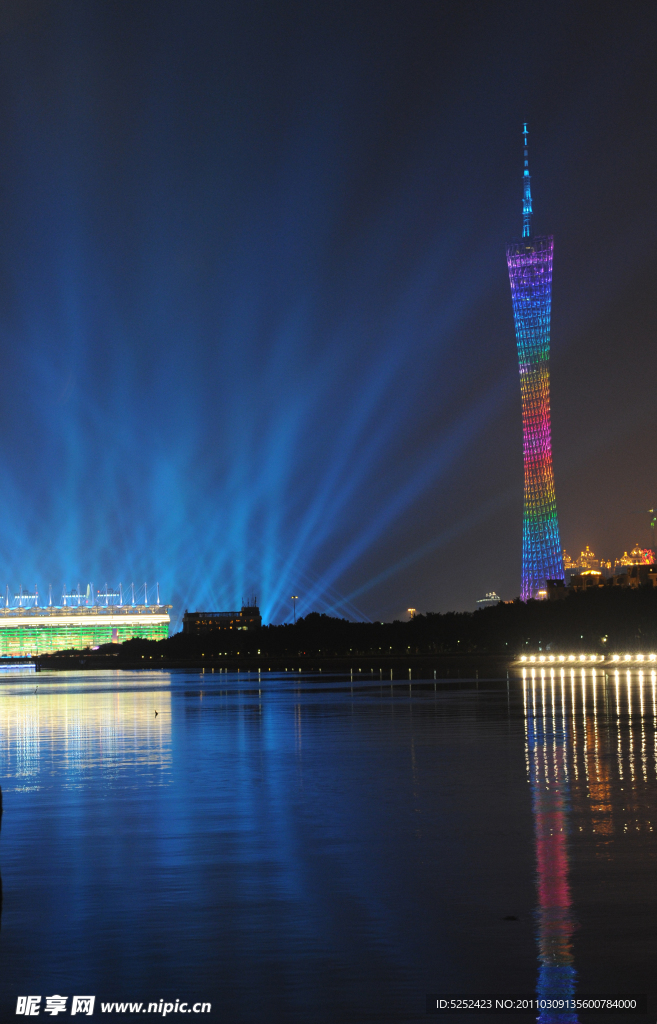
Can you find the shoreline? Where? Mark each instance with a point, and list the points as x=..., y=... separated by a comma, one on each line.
x=368, y=666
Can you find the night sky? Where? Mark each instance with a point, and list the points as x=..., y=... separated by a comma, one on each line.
x=255, y=319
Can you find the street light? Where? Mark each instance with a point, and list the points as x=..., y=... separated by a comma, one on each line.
x=294, y=605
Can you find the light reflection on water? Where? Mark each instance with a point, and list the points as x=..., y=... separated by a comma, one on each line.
x=603, y=724
x=312, y=850
x=547, y=744
x=586, y=733
x=50, y=728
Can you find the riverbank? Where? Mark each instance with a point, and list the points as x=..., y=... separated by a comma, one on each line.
x=455, y=666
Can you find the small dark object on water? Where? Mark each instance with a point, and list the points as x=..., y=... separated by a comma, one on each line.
x=510, y=917
x=36, y=689
x=156, y=714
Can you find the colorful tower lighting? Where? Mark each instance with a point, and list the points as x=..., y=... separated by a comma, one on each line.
x=547, y=753
x=530, y=271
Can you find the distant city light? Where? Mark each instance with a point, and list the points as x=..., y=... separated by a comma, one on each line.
x=584, y=658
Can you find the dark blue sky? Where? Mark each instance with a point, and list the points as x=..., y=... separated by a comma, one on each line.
x=255, y=322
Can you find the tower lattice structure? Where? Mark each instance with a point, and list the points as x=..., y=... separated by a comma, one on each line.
x=530, y=272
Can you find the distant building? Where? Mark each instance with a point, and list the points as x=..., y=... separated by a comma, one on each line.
x=211, y=622
x=637, y=556
x=489, y=601
x=36, y=630
x=586, y=562
x=556, y=590
x=635, y=576
x=586, y=579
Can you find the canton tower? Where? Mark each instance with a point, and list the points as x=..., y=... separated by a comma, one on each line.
x=530, y=271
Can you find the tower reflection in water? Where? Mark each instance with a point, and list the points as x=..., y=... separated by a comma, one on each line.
x=591, y=749
x=547, y=764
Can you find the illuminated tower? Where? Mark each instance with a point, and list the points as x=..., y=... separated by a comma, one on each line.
x=530, y=272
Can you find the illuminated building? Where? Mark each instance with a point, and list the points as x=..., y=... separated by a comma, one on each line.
x=211, y=622
x=587, y=562
x=489, y=601
x=586, y=579
x=570, y=565
x=30, y=631
x=637, y=556
x=568, y=562
x=529, y=261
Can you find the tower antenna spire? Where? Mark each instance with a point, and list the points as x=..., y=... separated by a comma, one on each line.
x=527, y=191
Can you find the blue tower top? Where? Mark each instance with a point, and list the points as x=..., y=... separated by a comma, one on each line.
x=527, y=192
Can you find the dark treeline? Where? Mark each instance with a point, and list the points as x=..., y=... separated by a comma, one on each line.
x=601, y=620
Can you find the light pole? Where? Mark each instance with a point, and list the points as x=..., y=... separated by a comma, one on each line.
x=294, y=605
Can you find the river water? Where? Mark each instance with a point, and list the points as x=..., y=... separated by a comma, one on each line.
x=302, y=849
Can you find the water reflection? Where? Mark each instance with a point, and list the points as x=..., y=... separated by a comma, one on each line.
x=65, y=729
x=0, y=875
x=308, y=850
x=591, y=753
x=547, y=741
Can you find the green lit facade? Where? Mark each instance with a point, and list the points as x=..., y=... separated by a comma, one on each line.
x=33, y=631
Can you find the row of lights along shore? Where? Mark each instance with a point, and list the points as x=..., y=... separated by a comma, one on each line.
x=560, y=658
